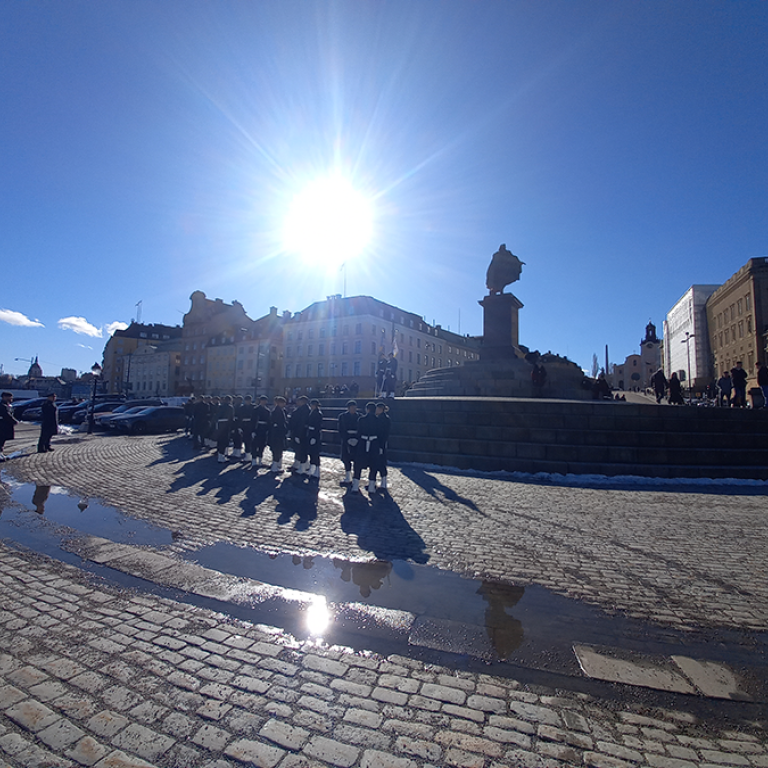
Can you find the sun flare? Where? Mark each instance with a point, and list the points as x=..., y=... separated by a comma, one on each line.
x=328, y=222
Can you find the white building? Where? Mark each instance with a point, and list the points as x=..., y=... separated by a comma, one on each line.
x=687, y=320
x=154, y=370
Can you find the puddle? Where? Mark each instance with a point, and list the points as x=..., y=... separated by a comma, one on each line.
x=37, y=511
x=488, y=619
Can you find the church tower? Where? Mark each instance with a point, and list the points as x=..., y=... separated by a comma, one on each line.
x=35, y=371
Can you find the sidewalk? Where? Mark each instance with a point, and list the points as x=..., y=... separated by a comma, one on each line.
x=95, y=675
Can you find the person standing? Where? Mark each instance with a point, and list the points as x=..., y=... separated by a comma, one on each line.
x=199, y=422
x=278, y=430
x=390, y=378
x=739, y=379
x=659, y=382
x=314, y=438
x=298, y=429
x=762, y=381
x=245, y=425
x=675, y=390
x=381, y=374
x=236, y=428
x=348, y=435
x=49, y=425
x=385, y=423
x=538, y=379
x=7, y=421
x=261, y=418
x=189, y=414
x=724, y=389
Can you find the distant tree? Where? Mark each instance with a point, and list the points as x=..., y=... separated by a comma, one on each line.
x=595, y=366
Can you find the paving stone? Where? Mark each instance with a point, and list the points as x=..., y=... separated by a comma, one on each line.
x=212, y=738
x=32, y=715
x=60, y=735
x=444, y=693
x=248, y=751
x=331, y=751
x=106, y=724
x=374, y=759
x=143, y=741
x=118, y=759
x=285, y=735
x=87, y=751
x=425, y=750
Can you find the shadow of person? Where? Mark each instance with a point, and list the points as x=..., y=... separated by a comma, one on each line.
x=504, y=631
x=261, y=488
x=298, y=500
x=225, y=481
x=381, y=528
x=434, y=487
x=175, y=450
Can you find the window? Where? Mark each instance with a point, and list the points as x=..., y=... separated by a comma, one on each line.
x=322, y=333
x=309, y=369
x=740, y=306
x=741, y=329
x=441, y=349
x=333, y=349
x=289, y=351
x=358, y=347
x=321, y=370
x=748, y=302
x=418, y=359
x=298, y=350
x=288, y=371
x=345, y=348
x=373, y=329
x=299, y=335
x=359, y=328
x=373, y=347
x=310, y=349
x=250, y=350
x=311, y=333
x=418, y=343
x=345, y=330
x=749, y=323
x=356, y=368
x=333, y=331
x=410, y=356
x=290, y=335
x=321, y=349
x=345, y=369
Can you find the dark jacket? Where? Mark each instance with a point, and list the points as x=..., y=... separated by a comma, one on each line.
x=7, y=421
x=50, y=419
x=278, y=428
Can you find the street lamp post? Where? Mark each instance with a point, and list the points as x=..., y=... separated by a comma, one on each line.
x=687, y=342
x=96, y=371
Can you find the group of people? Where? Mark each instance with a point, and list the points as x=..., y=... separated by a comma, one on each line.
x=250, y=427
x=49, y=423
x=731, y=387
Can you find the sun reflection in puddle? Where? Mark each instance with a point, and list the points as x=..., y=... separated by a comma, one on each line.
x=318, y=617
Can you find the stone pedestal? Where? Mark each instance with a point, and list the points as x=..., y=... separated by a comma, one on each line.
x=500, y=326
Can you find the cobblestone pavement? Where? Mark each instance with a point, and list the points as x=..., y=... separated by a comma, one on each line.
x=94, y=675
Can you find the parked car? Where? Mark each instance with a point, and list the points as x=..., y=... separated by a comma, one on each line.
x=106, y=419
x=82, y=414
x=161, y=418
x=24, y=405
x=120, y=408
x=68, y=411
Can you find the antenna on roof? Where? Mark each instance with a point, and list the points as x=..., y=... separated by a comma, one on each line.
x=138, y=310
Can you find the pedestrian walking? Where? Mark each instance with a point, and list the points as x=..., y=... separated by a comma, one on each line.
x=675, y=391
x=348, y=436
x=724, y=389
x=762, y=381
x=261, y=417
x=382, y=414
x=739, y=379
x=659, y=382
x=7, y=421
x=278, y=431
x=298, y=429
x=49, y=424
x=314, y=435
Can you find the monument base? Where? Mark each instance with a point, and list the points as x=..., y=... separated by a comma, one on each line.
x=500, y=327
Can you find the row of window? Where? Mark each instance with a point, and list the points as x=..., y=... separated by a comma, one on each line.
x=737, y=309
x=729, y=335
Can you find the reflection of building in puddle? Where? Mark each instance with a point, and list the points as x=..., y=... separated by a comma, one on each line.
x=306, y=562
x=39, y=497
x=366, y=576
x=504, y=631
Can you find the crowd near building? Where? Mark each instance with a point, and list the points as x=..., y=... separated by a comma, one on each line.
x=336, y=345
x=706, y=332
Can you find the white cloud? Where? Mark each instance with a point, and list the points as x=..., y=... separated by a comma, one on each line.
x=84, y=346
x=17, y=318
x=118, y=325
x=80, y=325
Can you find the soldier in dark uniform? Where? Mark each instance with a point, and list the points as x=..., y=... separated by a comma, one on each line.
x=314, y=438
x=384, y=426
x=390, y=379
x=237, y=432
x=369, y=429
x=245, y=425
x=189, y=413
x=225, y=415
x=49, y=425
x=199, y=422
x=278, y=430
x=298, y=428
x=7, y=421
x=213, y=409
x=348, y=435
x=381, y=374
x=261, y=417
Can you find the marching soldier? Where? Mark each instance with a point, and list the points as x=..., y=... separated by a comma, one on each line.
x=261, y=416
x=225, y=415
x=314, y=437
x=298, y=428
x=367, y=449
x=384, y=426
x=348, y=435
x=278, y=429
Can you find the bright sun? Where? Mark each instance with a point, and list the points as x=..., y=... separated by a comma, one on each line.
x=329, y=221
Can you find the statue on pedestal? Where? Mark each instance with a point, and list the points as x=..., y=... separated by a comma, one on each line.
x=505, y=268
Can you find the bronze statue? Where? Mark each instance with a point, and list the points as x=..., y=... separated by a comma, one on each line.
x=505, y=268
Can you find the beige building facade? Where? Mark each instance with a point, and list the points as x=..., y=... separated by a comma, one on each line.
x=155, y=370
x=737, y=316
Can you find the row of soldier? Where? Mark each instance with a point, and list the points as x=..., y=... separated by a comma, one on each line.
x=250, y=427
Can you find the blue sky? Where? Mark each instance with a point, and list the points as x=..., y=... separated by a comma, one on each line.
x=150, y=149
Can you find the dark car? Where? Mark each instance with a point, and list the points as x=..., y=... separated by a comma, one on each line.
x=67, y=412
x=24, y=405
x=106, y=419
x=82, y=414
x=118, y=409
x=161, y=418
